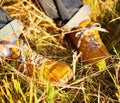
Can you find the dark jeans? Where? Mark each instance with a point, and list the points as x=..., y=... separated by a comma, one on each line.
x=4, y=18
x=60, y=9
x=55, y=9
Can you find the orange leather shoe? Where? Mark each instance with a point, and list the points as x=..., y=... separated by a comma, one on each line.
x=33, y=64
x=53, y=71
x=28, y=61
x=87, y=41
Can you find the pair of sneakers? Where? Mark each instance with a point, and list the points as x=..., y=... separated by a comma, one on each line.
x=85, y=38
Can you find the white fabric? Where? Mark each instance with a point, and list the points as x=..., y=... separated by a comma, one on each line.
x=77, y=18
x=14, y=27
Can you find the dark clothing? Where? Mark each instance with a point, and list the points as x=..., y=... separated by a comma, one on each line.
x=67, y=8
x=60, y=9
x=4, y=18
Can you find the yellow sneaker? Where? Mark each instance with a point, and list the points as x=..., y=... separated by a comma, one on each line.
x=28, y=61
x=33, y=64
x=57, y=72
x=87, y=41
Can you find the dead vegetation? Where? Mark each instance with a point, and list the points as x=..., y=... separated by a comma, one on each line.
x=90, y=85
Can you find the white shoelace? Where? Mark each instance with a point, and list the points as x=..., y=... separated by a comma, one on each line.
x=34, y=58
x=85, y=31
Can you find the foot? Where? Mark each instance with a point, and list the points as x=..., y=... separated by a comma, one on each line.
x=87, y=41
x=34, y=64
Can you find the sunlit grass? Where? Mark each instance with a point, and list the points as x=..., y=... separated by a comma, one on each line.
x=40, y=32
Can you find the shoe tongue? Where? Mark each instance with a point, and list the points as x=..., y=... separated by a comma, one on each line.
x=84, y=24
x=13, y=40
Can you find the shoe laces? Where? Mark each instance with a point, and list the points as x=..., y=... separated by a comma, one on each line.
x=6, y=50
x=93, y=44
x=34, y=58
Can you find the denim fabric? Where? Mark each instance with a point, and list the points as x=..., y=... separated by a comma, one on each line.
x=49, y=8
x=4, y=18
x=67, y=8
x=63, y=9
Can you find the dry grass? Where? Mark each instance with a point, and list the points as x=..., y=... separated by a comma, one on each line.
x=90, y=84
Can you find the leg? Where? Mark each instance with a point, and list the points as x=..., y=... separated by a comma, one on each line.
x=87, y=39
x=9, y=29
x=13, y=48
x=59, y=10
x=67, y=8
